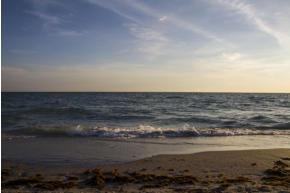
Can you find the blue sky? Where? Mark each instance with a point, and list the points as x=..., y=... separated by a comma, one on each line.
x=135, y=45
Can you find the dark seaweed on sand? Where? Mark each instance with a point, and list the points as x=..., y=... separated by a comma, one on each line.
x=36, y=182
x=279, y=175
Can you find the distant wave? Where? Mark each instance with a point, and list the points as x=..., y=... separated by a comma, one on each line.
x=262, y=119
x=78, y=112
x=175, y=97
x=58, y=110
x=284, y=126
x=143, y=131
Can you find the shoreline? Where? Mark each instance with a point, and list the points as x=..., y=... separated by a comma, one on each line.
x=91, y=151
x=214, y=171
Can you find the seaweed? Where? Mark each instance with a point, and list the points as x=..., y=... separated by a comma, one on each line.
x=36, y=182
x=276, y=172
x=237, y=179
x=278, y=175
x=54, y=184
x=150, y=186
x=171, y=170
x=97, y=179
x=71, y=178
x=26, y=181
x=160, y=168
x=279, y=163
x=187, y=179
x=115, y=176
x=91, y=171
x=142, y=177
x=222, y=187
x=5, y=173
x=164, y=180
x=277, y=183
x=278, y=169
x=225, y=184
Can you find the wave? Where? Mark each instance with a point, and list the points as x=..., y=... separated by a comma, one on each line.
x=143, y=131
x=283, y=126
x=259, y=117
x=262, y=119
x=174, y=97
x=76, y=112
x=58, y=110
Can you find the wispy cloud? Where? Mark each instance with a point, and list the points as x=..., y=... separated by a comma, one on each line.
x=175, y=20
x=163, y=18
x=149, y=40
x=246, y=9
x=64, y=32
x=146, y=33
x=47, y=18
x=231, y=56
x=121, y=8
x=52, y=22
x=116, y=7
x=22, y=51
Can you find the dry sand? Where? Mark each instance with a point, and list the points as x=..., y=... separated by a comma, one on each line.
x=221, y=171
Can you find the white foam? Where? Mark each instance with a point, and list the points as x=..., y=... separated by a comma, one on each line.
x=147, y=131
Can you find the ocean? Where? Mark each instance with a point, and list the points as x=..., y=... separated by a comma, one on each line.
x=100, y=128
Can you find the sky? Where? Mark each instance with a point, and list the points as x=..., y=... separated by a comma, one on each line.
x=146, y=45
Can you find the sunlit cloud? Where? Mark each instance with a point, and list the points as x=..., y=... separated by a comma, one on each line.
x=163, y=18
x=231, y=56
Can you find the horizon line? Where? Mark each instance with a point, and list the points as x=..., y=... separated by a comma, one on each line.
x=241, y=92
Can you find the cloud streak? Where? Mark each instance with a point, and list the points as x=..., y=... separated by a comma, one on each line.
x=114, y=6
x=48, y=19
x=149, y=40
x=248, y=11
x=51, y=22
x=119, y=7
x=174, y=20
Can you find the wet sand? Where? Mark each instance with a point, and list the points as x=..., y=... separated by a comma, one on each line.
x=220, y=171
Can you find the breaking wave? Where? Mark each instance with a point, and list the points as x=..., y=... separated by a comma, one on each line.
x=144, y=131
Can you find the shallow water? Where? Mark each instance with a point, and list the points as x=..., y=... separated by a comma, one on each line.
x=90, y=151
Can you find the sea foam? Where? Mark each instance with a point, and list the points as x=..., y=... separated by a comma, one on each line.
x=146, y=131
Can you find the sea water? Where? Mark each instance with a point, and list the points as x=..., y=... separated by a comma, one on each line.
x=99, y=128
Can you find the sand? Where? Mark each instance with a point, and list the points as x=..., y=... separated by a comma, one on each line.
x=220, y=171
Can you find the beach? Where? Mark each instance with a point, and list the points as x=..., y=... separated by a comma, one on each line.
x=216, y=171
x=145, y=96
x=145, y=142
